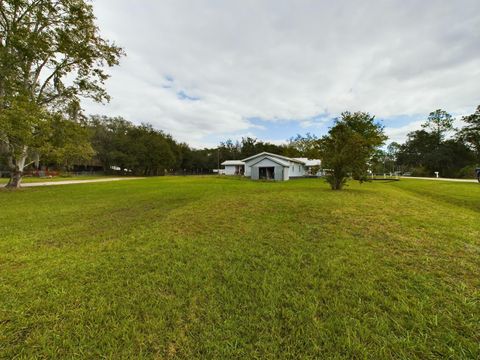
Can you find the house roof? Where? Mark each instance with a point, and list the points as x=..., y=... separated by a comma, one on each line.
x=272, y=155
x=310, y=162
x=232, y=162
x=274, y=159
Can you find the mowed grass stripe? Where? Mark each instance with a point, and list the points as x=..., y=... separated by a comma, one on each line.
x=224, y=268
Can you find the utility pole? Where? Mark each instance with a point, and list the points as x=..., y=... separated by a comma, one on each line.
x=218, y=160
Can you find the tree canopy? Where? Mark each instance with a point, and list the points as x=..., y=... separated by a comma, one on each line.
x=437, y=148
x=51, y=56
x=349, y=146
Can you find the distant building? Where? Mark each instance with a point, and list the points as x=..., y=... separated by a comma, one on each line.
x=270, y=166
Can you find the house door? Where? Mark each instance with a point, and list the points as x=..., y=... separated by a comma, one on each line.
x=266, y=173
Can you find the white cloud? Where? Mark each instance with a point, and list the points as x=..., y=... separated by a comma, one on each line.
x=399, y=134
x=281, y=59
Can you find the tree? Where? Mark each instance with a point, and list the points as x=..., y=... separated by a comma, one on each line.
x=349, y=146
x=416, y=152
x=439, y=122
x=137, y=149
x=68, y=142
x=51, y=55
x=303, y=146
x=471, y=132
x=427, y=151
x=393, y=149
x=23, y=131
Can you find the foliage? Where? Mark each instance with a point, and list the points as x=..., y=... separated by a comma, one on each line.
x=247, y=147
x=216, y=268
x=303, y=146
x=133, y=149
x=471, y=132
x=349, y=146
x=68, y=143
x=51, y=55
x=439, y=122
x=467, y=172
x=23, y=124
x=53, y=51
x=430, y=150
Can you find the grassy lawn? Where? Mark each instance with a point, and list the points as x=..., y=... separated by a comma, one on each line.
x=224, y=268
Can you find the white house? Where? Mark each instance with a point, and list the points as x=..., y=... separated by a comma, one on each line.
x=272, y=167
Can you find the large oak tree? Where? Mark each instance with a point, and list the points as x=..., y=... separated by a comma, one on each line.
x=51, y=56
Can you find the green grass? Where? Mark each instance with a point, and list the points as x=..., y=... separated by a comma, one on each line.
x=224, y=268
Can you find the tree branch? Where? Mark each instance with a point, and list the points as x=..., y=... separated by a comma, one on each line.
x=5, y=24
x=55, y=72
x=27, y=10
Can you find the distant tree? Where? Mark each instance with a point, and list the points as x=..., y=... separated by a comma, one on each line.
x=416, y=150
x=393, y=149
x=249, y=147
x=229, y=150
x=51, y=55
x=303, y=146
x=439, y=122
x=471, y=132
x=136, y=149
x=428, y=150
x=349, y=146
x=109, y=137
x=68, y=143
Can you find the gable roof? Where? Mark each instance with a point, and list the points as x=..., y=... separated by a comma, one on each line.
x=273, y=155
x=275, y=160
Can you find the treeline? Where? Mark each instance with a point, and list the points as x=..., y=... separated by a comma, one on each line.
x=299, y=146
x=115, y=145
x=437, y=147
x=119, y=146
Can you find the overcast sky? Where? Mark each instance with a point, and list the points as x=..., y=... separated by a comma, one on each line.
x=210, y=70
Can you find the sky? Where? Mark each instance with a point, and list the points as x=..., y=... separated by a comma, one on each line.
x=210, y=70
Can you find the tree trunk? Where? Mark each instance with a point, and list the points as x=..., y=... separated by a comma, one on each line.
x=16, y=170
x=15, y=180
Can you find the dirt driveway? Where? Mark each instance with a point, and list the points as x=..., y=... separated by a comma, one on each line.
x=71, y=182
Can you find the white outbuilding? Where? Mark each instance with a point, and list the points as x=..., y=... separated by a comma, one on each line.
x=234, y=167
x=270, y=166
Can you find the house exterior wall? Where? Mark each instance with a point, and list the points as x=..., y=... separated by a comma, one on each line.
x=229, y=169
x=296, y=169
x=278, y=173
x=254, y=173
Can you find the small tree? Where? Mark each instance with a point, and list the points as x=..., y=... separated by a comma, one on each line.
x=349, y=146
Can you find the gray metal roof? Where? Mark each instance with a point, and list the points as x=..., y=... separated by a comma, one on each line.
x=232, y=162
x=273, y=155
x=310, y=162
x=274, y=159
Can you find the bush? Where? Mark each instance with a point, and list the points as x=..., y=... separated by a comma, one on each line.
x=421, y=171
x=468, y=172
